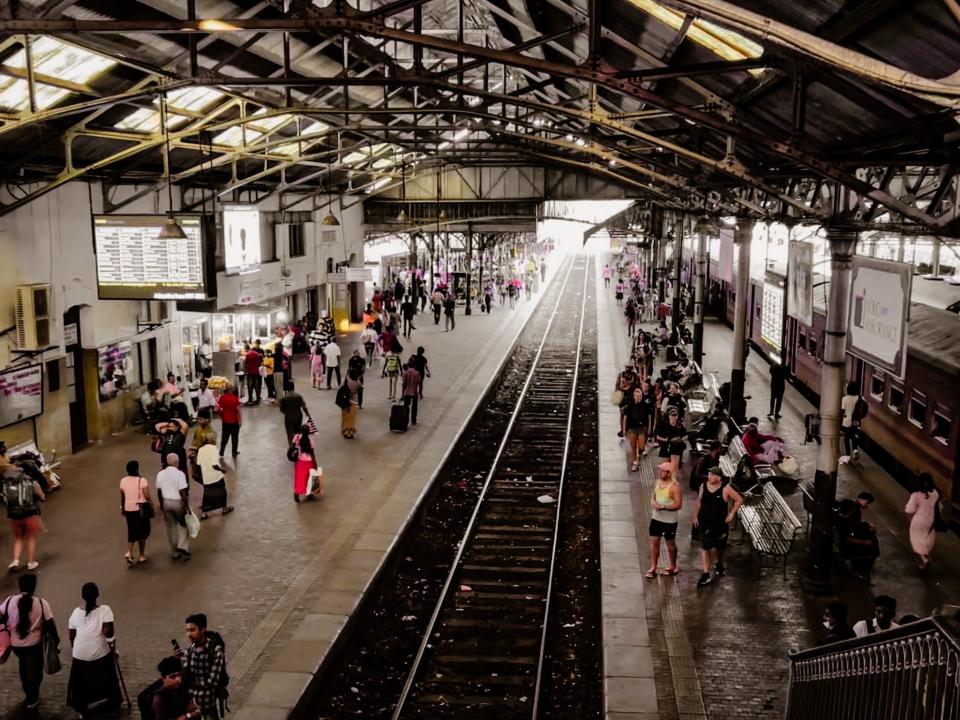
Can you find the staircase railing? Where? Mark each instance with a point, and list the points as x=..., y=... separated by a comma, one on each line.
x=907, y=673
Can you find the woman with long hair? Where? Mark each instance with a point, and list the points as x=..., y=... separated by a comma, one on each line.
x=305, y=462
x=28, y=618
x=922, y=509
x=348, y=415
x=93, y=672
x=137, y=508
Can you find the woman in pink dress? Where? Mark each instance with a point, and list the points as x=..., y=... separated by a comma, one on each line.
x=922, y=506
x=306, y=461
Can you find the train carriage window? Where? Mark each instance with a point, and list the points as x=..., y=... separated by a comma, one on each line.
x=877, y=381
x=941, y=424
x=802, y=340
x=895, y=402
x=918, y=408
x=812, y=345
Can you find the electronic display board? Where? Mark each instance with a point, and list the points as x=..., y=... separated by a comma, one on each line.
x=135, y=263
x=21, y=394
x=241, y=238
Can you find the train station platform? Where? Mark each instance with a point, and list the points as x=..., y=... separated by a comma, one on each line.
x=278, y=580
x=720, y=652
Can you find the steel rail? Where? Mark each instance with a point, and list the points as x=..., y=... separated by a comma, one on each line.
x=468, y=532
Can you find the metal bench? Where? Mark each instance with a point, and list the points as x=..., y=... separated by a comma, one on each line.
x=771, y=525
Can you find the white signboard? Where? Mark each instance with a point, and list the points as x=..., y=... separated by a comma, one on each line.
x=771, y=320
x=70, y=335
x=800, y=282
x=251, y=291
x=21, y=394
x=879, y=310
x=337, y=278
x=241, y=238
x=359, y=275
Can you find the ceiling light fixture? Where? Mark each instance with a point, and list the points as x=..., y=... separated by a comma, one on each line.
x=172, y=230
x=217, y=26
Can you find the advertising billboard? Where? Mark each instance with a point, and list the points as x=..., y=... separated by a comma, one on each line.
x=241, y=239
x=21, y=394
x=135, y=263
x=879, y=311
x=800, y=282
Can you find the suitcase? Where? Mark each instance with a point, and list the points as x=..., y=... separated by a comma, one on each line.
x=399, y=418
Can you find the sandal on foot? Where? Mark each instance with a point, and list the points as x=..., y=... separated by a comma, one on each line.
x=650, y=574
x=142, y=560
x=204, y=516
x=227, y=510
x=673, y=570
x=128, y=559
x=635, y=467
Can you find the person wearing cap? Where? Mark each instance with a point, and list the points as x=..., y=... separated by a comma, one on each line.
x=672, y=436
x=711, y=459
x=674, y=400
x=666, y=503
x=716, y=507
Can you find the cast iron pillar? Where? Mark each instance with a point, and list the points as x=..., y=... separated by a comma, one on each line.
x=843, y=243
x=742, y=237
x=701, y=230
x=467, y=310
x=677, y=314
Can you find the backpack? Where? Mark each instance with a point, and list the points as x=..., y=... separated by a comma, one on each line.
x=19, y=497
x=342, y=400
x=860, y=410
x=393, y=364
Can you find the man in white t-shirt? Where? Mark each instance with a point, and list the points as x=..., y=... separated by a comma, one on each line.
x=332, y=354
x=885, y=608
x=205, y=397
x=172, y=492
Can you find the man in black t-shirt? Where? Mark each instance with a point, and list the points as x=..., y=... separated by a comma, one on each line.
x=408, y=309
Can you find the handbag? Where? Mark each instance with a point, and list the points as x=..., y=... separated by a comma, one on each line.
x=939, y=522
x=5, y=645
x=315, y=481
x=193, y=524
x=156, y=445
x=788, y=466
x=51, y=645
x=293, y=453
x=146, y=510
x=617, y=397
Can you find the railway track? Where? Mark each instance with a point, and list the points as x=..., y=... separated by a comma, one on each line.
x=482, y=653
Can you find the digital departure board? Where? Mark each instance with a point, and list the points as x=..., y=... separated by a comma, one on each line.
x=135, y=263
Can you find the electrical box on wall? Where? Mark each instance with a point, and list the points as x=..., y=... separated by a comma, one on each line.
x=31, y=307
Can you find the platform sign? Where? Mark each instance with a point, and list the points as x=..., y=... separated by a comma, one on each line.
x=800, y=282
x=879, y=311
x=21, y=394
x=725, y=261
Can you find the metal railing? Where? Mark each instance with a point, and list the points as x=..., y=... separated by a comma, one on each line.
x=907, y=673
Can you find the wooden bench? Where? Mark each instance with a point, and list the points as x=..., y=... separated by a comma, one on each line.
x=771, y=525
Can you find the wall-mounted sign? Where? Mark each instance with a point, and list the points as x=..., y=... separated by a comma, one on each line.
x=725, y=261
x=359, y=275
x=879, y=310
x=70, y=335
x=21, y=394
x=135, y=263
x=251, y=291
x=241, y=238
x=800, y=282
x=337, y=278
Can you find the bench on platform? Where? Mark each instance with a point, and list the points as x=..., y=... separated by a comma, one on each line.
x=771, y=525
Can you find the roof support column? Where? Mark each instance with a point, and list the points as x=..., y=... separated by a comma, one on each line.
x=743, y=236
x=702, y=229
x=843, y=244
x=677, y=314
x=468, y=310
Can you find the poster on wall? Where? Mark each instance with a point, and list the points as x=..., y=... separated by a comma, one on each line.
x=115, y=368
x=879, y=310
x=725, y=261
x=135, y=263
x=800, y=282
x=771, y=321
x=21, y=394
x=241, y=238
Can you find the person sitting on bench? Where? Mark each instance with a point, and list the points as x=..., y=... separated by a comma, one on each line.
x=763, y=448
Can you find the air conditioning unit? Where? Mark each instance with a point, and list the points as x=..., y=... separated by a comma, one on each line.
x=154, y=311
x=32, y=310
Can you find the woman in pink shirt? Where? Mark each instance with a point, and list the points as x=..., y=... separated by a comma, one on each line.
x=134, y=497
x=25, y=616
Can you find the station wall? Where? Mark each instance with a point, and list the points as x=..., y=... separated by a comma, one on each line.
x=50, y=241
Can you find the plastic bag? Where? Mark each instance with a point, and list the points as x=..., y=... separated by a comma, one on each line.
x=193, y=524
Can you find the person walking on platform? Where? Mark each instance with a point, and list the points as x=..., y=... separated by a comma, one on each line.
x=923, y=508
x=437, y=301
x=419, y=362
x=407, y=311
x=173, y=440
x=778, y=384
x=22, y=496
x=213, y=479
x=449, y=308
x=502, y=290
x=93, y=671
x=332, y=354
x=294, y=408
x=487, y=297
x=391, y=369
x=251, y=371
x=636, y=419
x=672, y=438
x=855, y=409
x=512, y=292
x=229, y=409
x=607, y=274
x=137, y=509
x=358, y=366
x=411, y=390
x=666, y=503
x=306, y=460
x=173, y=496
x=716, y=507
x=618, y=293
x=348, y=413
x=28, y=618
x=201, y=432
x=205, y=666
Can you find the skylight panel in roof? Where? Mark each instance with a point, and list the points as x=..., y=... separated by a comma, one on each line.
x=194, y=99
x=148, y=120
x=13, y=94
x=235, y=136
